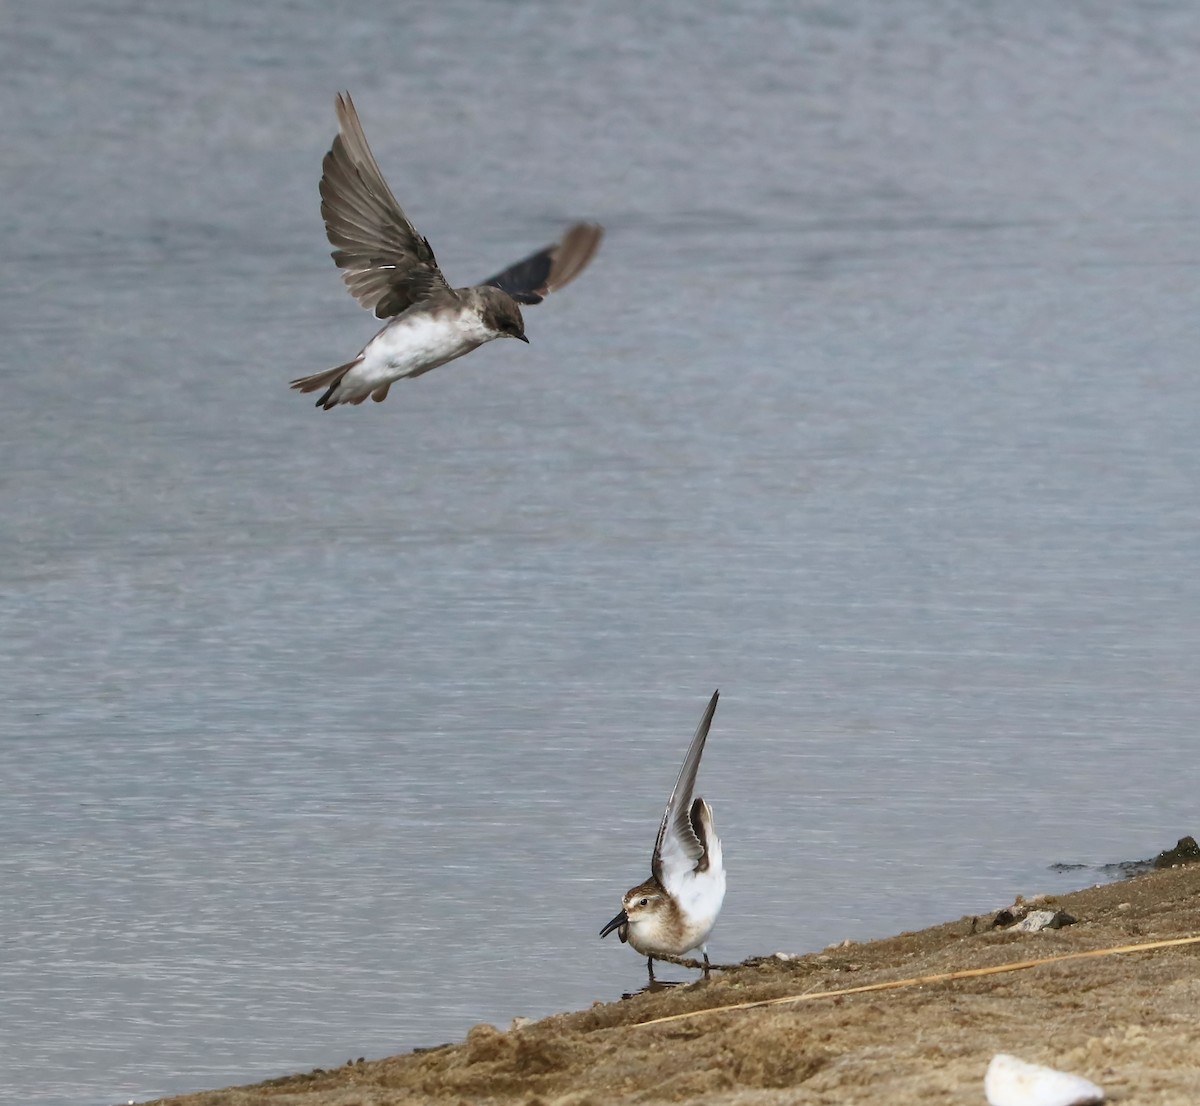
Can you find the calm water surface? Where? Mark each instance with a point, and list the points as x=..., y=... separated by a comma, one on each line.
x=332, y=734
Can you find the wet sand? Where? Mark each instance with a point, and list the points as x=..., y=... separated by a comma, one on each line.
x=1129, y=1021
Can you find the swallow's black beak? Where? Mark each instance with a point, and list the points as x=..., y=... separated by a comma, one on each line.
x=522, y=337
x=620, y=920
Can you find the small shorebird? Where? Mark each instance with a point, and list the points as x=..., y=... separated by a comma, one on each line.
x=390, y=269
x=675, y=910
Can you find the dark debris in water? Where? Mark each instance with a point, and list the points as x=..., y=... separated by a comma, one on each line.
x=1126, y=869
x=1186, y=851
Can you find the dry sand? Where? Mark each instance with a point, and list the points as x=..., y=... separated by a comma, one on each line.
x=1130, y=1022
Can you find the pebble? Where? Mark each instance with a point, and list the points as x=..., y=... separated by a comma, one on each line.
x=1013, y=1082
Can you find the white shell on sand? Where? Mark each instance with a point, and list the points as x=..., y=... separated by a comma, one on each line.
x=1012, y=1082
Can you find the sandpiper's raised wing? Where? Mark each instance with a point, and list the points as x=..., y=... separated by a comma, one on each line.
x=388, y=265
x=681, y=845
x=551, y=268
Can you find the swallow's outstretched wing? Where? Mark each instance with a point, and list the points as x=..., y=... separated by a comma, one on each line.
x=534, y=278
x=388, y=265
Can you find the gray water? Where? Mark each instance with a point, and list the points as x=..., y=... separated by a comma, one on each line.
x=333, y=734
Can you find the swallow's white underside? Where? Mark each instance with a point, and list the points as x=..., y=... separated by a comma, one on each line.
x=413, y=343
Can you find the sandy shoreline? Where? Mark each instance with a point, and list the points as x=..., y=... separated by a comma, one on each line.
x=1130, y=1022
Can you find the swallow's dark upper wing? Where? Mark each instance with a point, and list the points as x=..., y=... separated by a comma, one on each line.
x=678, y=848
x=534, y=278
x=388, y=265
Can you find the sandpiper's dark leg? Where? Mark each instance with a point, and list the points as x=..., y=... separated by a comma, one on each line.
x=706, y=965
x=650, y=967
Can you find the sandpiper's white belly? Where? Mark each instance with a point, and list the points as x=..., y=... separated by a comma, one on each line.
x=700, y=900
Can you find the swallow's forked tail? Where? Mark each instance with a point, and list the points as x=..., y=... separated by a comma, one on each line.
x=329, y=379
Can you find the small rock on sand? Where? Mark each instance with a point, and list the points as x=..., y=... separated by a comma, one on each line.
x=1037, y=920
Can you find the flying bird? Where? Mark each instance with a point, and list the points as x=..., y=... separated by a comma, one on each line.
x=675, y=910
x=390, y=269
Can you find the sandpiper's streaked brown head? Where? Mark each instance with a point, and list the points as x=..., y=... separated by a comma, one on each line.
x=647, y=907
x=675, y=910
x=391, y=270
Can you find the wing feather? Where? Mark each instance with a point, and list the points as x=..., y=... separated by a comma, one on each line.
x=678, y=848
x=388, y=266
x=533, y=278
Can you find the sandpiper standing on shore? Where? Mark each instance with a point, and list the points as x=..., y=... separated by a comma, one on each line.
x=390, y=269
x=675, y=910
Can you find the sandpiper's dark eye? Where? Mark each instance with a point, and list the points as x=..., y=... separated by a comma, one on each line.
x=644, y=902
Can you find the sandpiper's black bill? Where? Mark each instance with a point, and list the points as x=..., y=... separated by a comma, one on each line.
x=620, y=920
